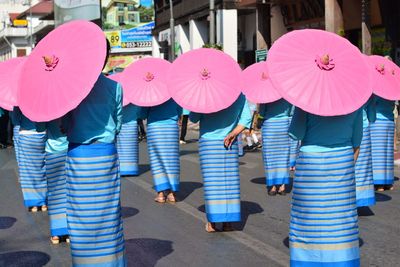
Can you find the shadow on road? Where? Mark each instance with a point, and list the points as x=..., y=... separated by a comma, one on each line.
x=144, y=168
x=365, y=212
x=286, y=242
x=186, y=188
x=7, y=222
x=24, y=258
x=127, y=212
x=146, y=252
x=187, y=152
x=247, y=208
x=382, y=197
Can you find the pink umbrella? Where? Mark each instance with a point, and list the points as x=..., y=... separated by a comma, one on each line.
x=257, y=86
x=117, y=77
x=320, y=72
x=61, y=70
x=386, y=77
x=10, y=71
x=144, y=82
x=205, y=80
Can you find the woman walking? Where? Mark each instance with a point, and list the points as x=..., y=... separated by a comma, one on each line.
x=382, y=135
x=163, y=146
x=220, y=163
x=276, y=145
x=324, y=222
x=128, y=142
x=56, y=154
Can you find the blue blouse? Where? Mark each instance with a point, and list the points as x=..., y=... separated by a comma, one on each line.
x=26, y=124
x=98, y=118
x=56, y=141
x=319, y=133
x=384, y=109
x=166, y=113
x=218, y=125
x=130, y=113
x=275, y=110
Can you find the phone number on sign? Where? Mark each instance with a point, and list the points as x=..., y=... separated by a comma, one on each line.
x=135, y=44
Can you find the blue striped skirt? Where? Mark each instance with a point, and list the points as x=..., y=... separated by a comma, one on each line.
x=324, y=221
x=128, y=149
x=93, y=205
x=276, y=151
x=220, y=170
x=163, y=146
x=365, y=193
x=32, y=169
x=56, y=193
x=382, y=138
x=15, y=141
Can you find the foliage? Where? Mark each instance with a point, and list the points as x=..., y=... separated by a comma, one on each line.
x=215, y=46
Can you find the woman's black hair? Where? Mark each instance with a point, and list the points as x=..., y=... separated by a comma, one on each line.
x=107, y=53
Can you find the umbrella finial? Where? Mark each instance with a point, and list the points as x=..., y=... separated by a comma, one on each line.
x=149, y=77
x=205, y=74
x=264, y=76
x=51, y=62
x=325, y=62
x=380, y=68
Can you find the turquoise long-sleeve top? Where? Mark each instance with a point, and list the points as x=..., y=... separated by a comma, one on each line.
x=56, y=140
x=218, y=125
x=319, y=133
x=166, y=113
x=369, y=111
x=275, y=110
x=2, y=112
x=14, y=116
x=185, y=111
x=26, y=124
x=98, y=118
x=384, y=109
x=130, y=113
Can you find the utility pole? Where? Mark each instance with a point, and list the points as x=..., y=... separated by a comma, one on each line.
x=30, y=24
x=172, y=30
x=212, y=22
x=365, y=23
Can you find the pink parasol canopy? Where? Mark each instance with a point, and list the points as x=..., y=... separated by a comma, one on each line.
x=205, y=80
x=144, y=82
x=385, y=77
x=319, y=72
x=257, y=86
x=117, y=77
x=61, y=70
x=10, y=71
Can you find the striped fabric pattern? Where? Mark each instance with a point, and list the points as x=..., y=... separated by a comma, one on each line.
x=128, y=149
x=56, y=194
x=382, y=136
x=163, y=146
x=324, y=221
x=276, y=151
x=15, y=141
x=32, y=169
x=93, y=205
x=220, y=170
x=294, y=151
x=365, y=193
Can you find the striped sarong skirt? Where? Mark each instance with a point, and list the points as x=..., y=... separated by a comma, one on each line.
x=93, y=205
x=56, y=193
x=220, y=170
x=163, y=146
x=32, y=168
x=365, y=193
x=382, y=138
x=128, y=149
x=276, y=151
x=324, y=221
x=15, y=141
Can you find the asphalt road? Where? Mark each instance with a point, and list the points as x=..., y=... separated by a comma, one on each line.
x=173, y=235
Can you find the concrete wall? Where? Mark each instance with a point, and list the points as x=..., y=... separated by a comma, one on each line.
x=277, y=26
x=227, y=24
x=198, y=33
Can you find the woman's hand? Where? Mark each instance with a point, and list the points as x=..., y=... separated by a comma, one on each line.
x=230, y=138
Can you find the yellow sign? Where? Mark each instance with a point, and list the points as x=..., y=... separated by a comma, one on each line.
x=20, y=23
x=114, y=38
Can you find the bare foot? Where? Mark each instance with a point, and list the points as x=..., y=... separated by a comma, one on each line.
x=272, y=191
x=55, y=240
x=44, y=208
x=281, y=190
x=210, y=227
x=160, y=197
x=171, y=197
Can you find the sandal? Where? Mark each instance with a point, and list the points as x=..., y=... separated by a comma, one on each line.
x=44, y=208
x=272, y=191
x=67, y=239
x=55, y=240
x=171, y=198
x=160, y=198
x=227, y=227
x=210, y=227
x=282, y=190
x=380, y=188
x=34, y=209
